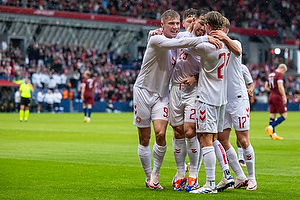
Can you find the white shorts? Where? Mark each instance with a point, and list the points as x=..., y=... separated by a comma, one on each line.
x=182, y=104
x=237, y=113
x=209, y=119
x=148, y=106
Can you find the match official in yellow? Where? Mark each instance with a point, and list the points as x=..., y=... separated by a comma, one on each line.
x=25, y=93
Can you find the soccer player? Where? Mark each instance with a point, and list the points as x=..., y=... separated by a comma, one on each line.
x=182, y=107
x=25, y=95
x=87, y=95
x=210, y=97
x=277, y=100
x=237, y=113
x=151, y=90
x=250, y=88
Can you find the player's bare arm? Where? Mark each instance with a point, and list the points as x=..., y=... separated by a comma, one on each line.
x=250, y=89
x=282, y=92
x=82, y=92
x=215, y=42
x=267, y=88
x=232, y=46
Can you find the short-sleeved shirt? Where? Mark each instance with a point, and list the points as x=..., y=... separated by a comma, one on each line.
x=273, y=79
x=89, y=93
x=25, y=90
x=275, y=99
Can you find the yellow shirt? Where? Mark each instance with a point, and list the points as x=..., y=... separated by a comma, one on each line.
x=25, y=90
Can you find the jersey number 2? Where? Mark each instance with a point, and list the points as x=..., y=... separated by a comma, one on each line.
x=224, y=63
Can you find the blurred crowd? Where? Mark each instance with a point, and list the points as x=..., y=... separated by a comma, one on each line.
x=246, y=13
x=60, y=66
x=55, y=66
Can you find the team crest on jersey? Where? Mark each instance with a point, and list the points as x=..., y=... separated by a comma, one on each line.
x=138, y=119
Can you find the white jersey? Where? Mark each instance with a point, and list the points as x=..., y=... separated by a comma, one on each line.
x=17, y=96
x=57, y=97
x=246, y=74
x=158, y=62
x=186, y=65
x=40, y=96
x=212, y=84
x=36, y=79
x=235, y=80
x=49, y=98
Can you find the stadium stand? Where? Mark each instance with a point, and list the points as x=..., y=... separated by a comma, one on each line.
x=63, y=43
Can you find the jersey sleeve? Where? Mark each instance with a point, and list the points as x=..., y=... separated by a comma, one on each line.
x=163, y=43
x=246, y=74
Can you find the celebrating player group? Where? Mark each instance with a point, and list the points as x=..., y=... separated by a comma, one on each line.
x=183, y=81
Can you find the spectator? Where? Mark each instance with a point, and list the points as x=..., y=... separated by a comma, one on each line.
x=40, y=100
x=49, y=99
x=57, y=100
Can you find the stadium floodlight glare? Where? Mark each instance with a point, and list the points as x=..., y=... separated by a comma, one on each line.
x=277, y=51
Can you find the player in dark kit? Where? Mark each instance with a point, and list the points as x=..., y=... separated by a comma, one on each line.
x=87, y=95
x=277, y=100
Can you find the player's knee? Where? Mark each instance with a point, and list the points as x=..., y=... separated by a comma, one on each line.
x=244, y=143
x=160, y=138
x=190, y=133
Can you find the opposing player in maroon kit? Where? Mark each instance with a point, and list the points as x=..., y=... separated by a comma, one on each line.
x=277, y=100
x=87, y=95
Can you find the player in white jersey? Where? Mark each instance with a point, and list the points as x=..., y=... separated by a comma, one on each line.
x=151, y=90
x=237, y=114
x=182, y=107
x=210, y=97
x=250, y=87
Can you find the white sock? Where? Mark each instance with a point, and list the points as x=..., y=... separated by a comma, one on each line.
x=222, y=158
x=179, y=147
x=209, y=158
x=200, y=157
x=234, y=164
x=240, y=152
x=193, y=152
x=158, y=156
x=250, y=161
x=145, y=159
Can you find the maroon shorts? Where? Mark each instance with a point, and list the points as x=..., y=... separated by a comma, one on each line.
x=276, y=104
x=89, y=99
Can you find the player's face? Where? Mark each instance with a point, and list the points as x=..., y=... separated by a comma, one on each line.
x=199, y=28
x=186, y=23
x=171, y=27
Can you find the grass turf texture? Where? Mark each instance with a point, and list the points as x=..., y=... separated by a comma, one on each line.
x=61, y=157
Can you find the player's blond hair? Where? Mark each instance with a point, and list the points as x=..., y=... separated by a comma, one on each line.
x=226, y=24
x=169, y=14
x=215, y=20
x=87, y=73
x=282, y=66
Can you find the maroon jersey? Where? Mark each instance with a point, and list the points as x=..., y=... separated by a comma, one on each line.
x=275, y=99
x=89, y=90
x=273, y=80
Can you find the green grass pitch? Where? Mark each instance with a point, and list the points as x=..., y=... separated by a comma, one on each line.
x=58, y=156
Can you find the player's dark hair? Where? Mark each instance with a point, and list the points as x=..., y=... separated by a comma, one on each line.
x=201, y=12
x=215, y=20
x=189, y=13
